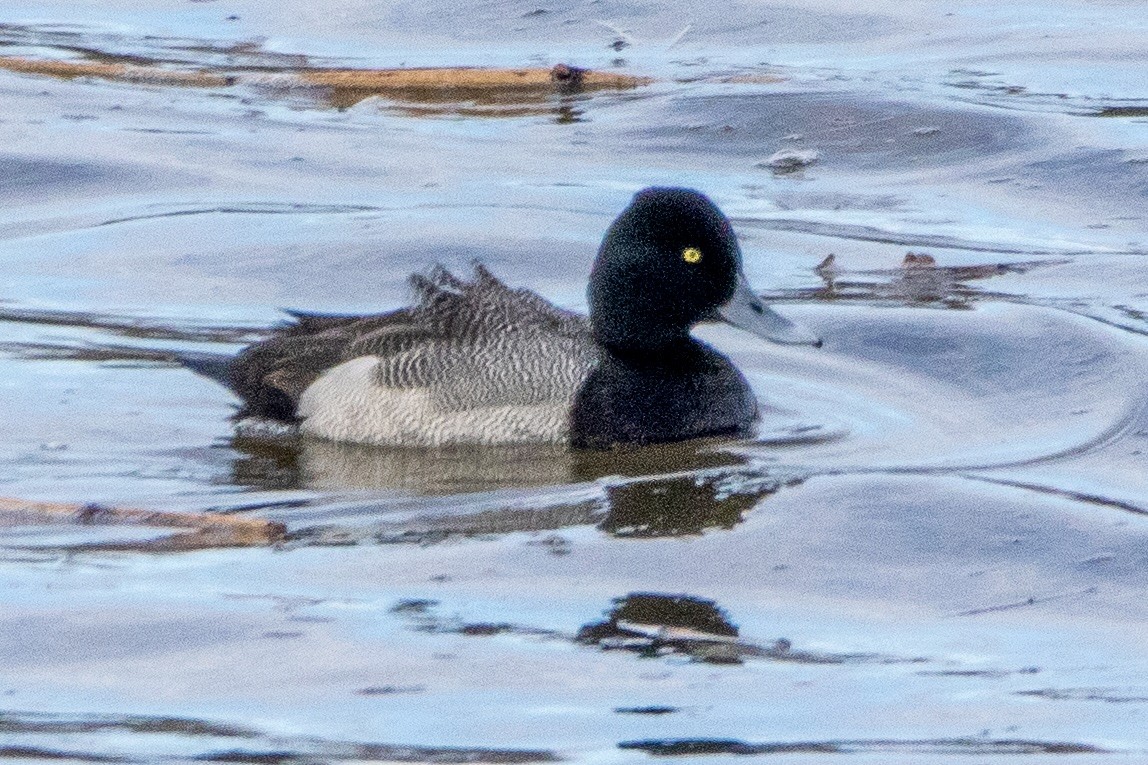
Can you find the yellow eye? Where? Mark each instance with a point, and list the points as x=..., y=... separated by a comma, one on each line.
x=692, y=255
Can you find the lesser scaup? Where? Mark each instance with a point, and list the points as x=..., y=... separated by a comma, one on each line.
x=479, y=362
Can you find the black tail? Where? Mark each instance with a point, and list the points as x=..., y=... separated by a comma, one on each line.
x=213, y=366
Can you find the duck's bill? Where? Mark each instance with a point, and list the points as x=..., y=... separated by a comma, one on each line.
x=746, y=310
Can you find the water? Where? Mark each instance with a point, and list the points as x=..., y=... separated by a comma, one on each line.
x=932, y=551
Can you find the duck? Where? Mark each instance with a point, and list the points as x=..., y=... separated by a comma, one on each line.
x=474, y=361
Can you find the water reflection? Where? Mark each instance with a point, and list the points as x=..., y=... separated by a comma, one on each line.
x=291, y=463
x=464, y=102
x=652, y=625
x=918, y=282
x=671, y=491
x=675, y=507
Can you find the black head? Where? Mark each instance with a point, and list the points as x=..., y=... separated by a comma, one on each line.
x=665, y=264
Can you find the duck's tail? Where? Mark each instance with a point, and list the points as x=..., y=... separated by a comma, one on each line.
x=213, y=366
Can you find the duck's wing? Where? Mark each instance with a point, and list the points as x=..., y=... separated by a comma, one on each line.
x=426, y=346
x=486, y=344
x=516, y=367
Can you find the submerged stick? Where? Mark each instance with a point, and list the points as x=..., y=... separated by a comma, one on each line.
x=205, y=529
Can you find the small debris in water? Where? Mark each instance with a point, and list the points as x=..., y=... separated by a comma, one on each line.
x=555, y=544
x=789, y=161
x=918, y=260
x=281, y=635
x=413, y=606
x=390, y=690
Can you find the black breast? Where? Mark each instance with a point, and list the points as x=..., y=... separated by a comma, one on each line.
x=684, y=392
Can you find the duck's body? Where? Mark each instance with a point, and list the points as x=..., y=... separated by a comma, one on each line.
x=472, y=362
x=478, y=362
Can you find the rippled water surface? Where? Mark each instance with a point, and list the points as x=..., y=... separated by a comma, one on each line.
x=935, y=549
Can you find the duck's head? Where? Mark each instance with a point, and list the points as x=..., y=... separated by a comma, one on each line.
x=669, y=261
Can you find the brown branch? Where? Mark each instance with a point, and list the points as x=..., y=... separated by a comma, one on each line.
x=111, y=71
x=376, y=80
x=204, y=529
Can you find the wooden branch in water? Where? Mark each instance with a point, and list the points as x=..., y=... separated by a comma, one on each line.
x=114, y=71
x=560, y=77
x=204, y=529
x=471, y=78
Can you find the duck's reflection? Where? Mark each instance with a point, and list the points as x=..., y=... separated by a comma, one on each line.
x=652, y=625
x=670, y=491
x=327, y=465
x=680, y=506
x=649, y=625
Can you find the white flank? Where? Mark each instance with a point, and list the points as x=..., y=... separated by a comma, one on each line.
x=346, y=403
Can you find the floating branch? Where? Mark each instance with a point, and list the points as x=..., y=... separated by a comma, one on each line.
x=560, y=78
x=114, y=71
x=203, y=530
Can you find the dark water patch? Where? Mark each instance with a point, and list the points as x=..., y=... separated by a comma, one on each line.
x=988, y=674
x=247, y=757
x=37, y=753
x=378, y=752
x=179, y=734
x=650, y=710
x=1106, y=695
x=847, y=132
x=413, y=606
x=704, y=746
x=390, y=690
x=14, y=721
x=22, y=177
x=1121, y=111
x=281, y=635
x=961, y=746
